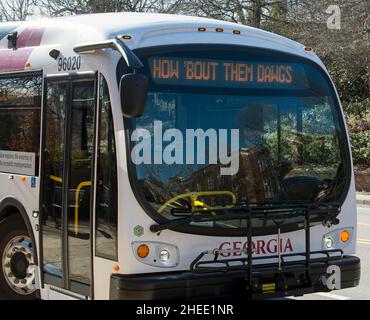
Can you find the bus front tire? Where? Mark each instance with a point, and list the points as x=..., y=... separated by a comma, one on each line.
x=17, y=270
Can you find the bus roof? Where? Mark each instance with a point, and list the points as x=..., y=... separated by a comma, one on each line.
x=144, y=29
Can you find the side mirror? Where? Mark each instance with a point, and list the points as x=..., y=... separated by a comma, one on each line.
x=133, y=92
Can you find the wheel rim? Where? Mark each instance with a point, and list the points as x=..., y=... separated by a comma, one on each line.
x=18, y=265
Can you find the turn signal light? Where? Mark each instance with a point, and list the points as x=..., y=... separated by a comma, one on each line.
x=143, y=251
x=344, y=236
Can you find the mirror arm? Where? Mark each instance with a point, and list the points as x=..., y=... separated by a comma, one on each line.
x=131, y=59
x=117, y=44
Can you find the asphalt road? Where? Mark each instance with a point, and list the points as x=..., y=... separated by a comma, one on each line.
x=362, y=292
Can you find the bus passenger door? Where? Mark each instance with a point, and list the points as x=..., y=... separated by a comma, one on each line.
x=67, y=180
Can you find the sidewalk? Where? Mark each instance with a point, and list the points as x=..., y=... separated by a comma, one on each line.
x=363, y=198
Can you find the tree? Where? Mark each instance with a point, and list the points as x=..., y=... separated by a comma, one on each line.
x=345, y=51
x=15, y=10
x=70, y=7
x=248, y=12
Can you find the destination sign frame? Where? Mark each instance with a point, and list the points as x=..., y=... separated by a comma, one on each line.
x=227, y=73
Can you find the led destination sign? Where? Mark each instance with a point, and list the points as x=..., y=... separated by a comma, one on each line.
x=214, y=73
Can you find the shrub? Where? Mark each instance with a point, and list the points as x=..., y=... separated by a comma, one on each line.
x=360, y=142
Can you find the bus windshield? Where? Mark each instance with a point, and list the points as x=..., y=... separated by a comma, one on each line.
x=232, y=127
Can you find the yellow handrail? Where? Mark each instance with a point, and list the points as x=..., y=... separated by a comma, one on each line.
x=79, y=187
x=56, y=179
x=77, y=194
x=196, y=203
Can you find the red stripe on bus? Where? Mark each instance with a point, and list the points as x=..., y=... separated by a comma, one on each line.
x=30, y=38
x=15, y=60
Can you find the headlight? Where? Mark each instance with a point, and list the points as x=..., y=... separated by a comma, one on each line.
x=329, y=242
x=164, y=255
x=158, y=254
x=338, y=239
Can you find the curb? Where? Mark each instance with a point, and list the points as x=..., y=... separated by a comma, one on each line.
x=363, y=202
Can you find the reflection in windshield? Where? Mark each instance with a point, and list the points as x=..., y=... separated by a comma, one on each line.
x=272, y=157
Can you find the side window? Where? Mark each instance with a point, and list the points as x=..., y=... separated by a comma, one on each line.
x=106, y=186
x=20, y=105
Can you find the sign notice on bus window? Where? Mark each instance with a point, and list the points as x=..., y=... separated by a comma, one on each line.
x=236, y=74
x=17, y=162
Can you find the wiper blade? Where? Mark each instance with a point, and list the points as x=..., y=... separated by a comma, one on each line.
x=202, y=216
x=298, y=208
x=272, y=211
x=168, y=225
x=196, y=216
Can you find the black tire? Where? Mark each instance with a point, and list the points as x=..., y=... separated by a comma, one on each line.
x=11, y=227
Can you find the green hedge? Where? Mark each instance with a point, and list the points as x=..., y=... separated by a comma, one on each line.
x=358, y=120
x=361, y=147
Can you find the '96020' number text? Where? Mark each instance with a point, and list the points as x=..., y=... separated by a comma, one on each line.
x=69, y=63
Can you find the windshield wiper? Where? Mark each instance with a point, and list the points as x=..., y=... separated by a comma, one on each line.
x=198, y=216
x=168, y=225
x=273, y=212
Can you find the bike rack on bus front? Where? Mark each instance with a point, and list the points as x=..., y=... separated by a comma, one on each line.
x=246, y=264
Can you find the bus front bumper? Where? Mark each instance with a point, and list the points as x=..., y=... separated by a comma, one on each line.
x=188, y=285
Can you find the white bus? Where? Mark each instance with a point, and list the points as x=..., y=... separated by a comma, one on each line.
x=151, y=156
